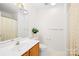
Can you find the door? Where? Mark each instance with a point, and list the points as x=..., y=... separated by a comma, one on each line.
x=53, y=24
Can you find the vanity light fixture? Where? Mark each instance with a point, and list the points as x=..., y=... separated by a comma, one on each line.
x=21, y=7
x=50, y=4
x=53, y=4
x=25, y=12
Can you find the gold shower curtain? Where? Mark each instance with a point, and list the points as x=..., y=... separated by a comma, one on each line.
x=74, y=29
x=8, y=28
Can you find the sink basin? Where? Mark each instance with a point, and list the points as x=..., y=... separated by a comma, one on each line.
x=22, y=47
x=11, y=49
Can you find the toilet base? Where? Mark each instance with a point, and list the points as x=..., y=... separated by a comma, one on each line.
x=43, y=50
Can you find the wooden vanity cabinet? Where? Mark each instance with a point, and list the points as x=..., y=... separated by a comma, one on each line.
x=26, y=53
x=34, y=51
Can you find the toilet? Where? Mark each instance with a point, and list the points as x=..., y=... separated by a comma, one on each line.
x=43, y=49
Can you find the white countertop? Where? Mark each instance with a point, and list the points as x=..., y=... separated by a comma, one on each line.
x=10, y=49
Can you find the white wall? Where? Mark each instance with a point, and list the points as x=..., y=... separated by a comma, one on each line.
x=25, y=22
x=52, y=24
x=22, y=24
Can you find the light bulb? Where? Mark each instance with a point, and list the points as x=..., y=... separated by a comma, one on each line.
x=53, y=4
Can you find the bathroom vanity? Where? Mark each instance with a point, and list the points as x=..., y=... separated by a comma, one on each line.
x=27, y=47
x=34, y=51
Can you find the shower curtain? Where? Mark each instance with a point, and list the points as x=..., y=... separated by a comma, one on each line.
x=8, y=28
x=74, y=29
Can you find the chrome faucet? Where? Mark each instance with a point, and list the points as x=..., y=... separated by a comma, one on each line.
x=17, y=43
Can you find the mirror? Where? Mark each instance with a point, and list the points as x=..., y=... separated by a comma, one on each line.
x=8, y=21
x=12, y=21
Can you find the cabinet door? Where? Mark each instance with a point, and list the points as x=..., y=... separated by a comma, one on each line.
x=26, y=54
x=34, y=51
